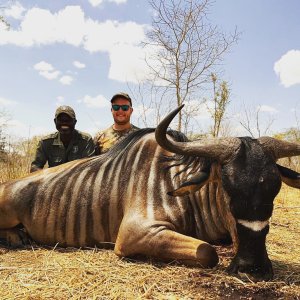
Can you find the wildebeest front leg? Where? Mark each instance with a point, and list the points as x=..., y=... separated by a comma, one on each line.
x=158, y=239
x=10, y=229
x=14, y=237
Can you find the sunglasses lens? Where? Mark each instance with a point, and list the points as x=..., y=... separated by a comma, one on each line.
x=116, y=107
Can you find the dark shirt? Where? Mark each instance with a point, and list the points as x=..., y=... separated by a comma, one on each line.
x=52, y=150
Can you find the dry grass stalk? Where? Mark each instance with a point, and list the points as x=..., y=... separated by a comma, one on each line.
x=41, y=273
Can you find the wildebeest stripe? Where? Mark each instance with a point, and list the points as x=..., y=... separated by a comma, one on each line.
x=115, y=207
x=152, y=187
x=138, y=190
x=64, y=206
x=82, y=203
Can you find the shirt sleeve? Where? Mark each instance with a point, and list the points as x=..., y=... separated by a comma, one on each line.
x=40, y=158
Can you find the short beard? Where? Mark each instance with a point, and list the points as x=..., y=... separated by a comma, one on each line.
x=122, y=122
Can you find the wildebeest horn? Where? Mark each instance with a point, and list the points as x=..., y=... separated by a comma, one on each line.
x=279, y=148
x=219, y=149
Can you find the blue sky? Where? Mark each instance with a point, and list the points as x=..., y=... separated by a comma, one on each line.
x=80, y=53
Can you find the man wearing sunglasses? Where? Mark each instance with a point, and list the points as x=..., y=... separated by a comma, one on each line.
x=121, y=109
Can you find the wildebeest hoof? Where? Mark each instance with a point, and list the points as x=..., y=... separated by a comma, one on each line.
x=250, y=271
x=207, y=255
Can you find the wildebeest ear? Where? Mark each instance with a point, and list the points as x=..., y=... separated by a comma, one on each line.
x=192, y=185
x=289, y=176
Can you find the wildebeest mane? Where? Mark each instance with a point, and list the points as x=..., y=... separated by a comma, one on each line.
x=193, y=163
x=121, y=148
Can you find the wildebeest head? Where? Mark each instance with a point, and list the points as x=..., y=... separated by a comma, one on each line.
x=250, y=179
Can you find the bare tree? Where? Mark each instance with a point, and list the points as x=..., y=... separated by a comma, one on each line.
x=2, y=18
x=188, y=47
x=152, y=106
x=252, y=122
x=4, y=118
x=220, y=103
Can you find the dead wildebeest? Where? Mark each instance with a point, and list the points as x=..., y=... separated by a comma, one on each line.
x=147, y=200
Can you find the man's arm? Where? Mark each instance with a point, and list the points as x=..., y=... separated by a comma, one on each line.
x=40, y=158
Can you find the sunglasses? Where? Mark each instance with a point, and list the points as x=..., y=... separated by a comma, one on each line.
x=116, y=107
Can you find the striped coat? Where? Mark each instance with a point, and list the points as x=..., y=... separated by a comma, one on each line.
x=142, y=199
x=83, y=203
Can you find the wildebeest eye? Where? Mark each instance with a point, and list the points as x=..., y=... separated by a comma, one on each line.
x=261, y=179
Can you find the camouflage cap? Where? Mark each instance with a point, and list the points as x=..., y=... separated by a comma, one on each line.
x=121, y=95
x=65, y=109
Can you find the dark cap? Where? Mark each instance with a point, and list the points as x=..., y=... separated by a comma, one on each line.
x=121, y=95
x=65, y=109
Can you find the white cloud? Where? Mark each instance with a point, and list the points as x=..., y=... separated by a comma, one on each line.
x=3, y=27
x=78, y=64
x=49, y=72
x=41, y=27
x=288, y=68
x=49, y=75
x=46, y=70
x=43, y=66
x=16, y=11
x=131, y=69
x=106, y=35
x=98, y=101
x=66, y=80
x=118, y=1
x=95, y=2
x=99, y=2
x=6, y=102
x=267, y=108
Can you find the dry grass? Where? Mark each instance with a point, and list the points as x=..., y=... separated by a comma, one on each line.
x=40, y=273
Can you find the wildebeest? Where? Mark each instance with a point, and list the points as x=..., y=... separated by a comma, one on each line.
x=147, y=200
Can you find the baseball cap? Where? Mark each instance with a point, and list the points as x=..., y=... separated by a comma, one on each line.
x=65, y=109
x=121, y=95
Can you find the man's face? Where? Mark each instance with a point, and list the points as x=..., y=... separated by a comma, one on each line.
x=65, y=124
x=121, y=117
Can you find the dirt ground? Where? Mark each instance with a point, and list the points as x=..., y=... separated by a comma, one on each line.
x=43, y=273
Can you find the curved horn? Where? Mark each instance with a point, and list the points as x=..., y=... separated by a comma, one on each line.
x=219, y=149
x=279, y=148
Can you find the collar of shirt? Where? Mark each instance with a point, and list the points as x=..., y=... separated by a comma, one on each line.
x=57, y=141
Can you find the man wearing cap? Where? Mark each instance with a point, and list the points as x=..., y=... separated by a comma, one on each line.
x=121, y=109
x=65, y=145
